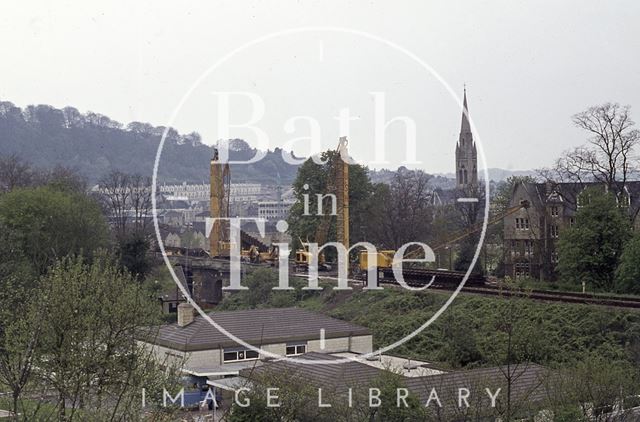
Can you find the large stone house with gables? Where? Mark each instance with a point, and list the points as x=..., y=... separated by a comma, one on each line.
x=531, y=234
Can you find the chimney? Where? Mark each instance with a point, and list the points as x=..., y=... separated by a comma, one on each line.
x=185, y=314
x=548, y=187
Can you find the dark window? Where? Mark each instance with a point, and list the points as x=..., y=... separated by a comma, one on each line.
x=296, y=349
x=237, y=355
x=230, y=356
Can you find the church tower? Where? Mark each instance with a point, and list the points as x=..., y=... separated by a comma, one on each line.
x=466, y=153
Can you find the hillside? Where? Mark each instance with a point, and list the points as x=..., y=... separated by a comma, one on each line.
x=467, y=333
x=94, y=145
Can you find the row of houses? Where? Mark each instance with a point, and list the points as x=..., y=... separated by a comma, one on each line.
x=238, y=192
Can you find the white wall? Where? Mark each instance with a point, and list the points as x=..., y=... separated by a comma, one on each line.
x=213, y=357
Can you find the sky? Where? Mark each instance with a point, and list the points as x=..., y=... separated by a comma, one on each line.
x=528, y=67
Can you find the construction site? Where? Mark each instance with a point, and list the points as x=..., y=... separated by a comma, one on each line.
x=205, y=274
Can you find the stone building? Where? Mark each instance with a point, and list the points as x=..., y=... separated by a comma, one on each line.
x=531, y=234
x=274, y=210
x=238, y=192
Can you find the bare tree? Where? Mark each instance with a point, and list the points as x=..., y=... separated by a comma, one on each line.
x=406, y=211
x=608, y=157
x=127, y=199
x=612, y=141
x=62, y=177
x=14, y=172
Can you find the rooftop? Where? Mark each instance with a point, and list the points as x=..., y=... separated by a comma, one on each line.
x=527, y=379
x=256, y=327
x=398, y=365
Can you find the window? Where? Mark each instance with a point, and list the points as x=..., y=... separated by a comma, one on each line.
x=555, y=211
x=522, y=224
x=527, y=247
x=296, y=349
x=554, y=230
x=522, y=269
x=572, y=221
x=239, y=355
x=554, y=257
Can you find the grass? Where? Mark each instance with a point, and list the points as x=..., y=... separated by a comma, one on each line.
x=470, y=332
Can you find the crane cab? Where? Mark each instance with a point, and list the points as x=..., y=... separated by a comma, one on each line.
x=382, y=259
x=303, y=258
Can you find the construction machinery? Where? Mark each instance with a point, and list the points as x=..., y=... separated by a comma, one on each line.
x=385, y=259
x=303, y=258
x=220, y=186
x=339, y=187
x=253, y=255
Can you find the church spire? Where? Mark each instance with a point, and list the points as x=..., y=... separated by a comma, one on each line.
x=466, y=154
x=465, y=126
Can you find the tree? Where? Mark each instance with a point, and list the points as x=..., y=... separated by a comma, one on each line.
x=593, y=389
x=608, y=156
x=92, y=313
x=61, y=178
x=402, y=211
x=20, y=334
x=313, y=179
x=517, y=342
x=127, y=200
x=628, y=271
x=14, y=172
x=590, y=250
x=45, y=224
x=469, y=217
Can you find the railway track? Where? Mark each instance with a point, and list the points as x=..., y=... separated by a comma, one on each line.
x=578, y=298
x=449, y=280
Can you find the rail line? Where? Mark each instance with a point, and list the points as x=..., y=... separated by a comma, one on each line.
x=476, y=284
x=449, y=280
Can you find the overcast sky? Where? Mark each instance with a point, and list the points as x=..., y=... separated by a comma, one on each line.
x=528, y=67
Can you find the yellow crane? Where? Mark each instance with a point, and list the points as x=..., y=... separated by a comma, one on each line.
x=220, y=186
x=339, y=186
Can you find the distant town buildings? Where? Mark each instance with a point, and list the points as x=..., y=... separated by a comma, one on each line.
x=274, y=210
x=238, y=192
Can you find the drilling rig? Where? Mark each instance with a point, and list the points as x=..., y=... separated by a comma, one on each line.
x=339, y=186
x=219, y=202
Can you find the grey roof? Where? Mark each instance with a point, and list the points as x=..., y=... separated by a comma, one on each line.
x=551, y=192
x=340, y=376
x=256, y=327
x=527, y=382
x=527, y=387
